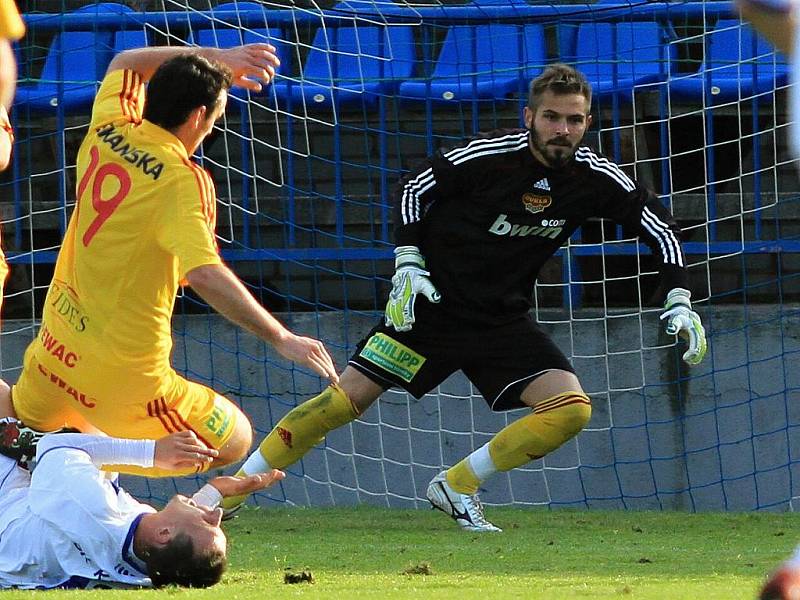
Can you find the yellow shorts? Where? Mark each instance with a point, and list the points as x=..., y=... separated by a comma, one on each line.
x=50, y=394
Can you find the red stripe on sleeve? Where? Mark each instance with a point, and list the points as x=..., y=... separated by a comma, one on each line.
x=154, y=411
x=123, y=107
x=164, y=409
x=130, y=88
x=201, y=186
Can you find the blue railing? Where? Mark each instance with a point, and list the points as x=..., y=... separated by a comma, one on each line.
x=379, y=248
x=389, y=13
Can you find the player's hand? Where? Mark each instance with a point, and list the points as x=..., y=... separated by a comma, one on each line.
x=309, y=352
x=182, y=450
x=241, y=486
x=410, y=278
x=250, y=63
x=682, y=320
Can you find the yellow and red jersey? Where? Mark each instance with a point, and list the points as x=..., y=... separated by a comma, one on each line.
x=144, y=218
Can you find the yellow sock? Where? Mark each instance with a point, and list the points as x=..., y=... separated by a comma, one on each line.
x=462, y=478
x=306, y=426
x=552, y=423
x=300, y=430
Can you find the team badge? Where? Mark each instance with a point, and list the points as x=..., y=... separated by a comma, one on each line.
x=535, y=203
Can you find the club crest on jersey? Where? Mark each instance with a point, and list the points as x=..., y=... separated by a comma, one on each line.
x=535, y=203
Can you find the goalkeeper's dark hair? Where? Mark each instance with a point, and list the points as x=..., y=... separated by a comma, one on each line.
x=182, y=84
x=560, y=79
x=176, y=563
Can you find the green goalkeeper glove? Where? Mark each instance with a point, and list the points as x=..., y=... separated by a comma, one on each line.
x=410, y=278
x=683, y=321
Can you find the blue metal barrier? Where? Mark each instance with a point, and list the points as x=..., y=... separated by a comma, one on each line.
x=380, y=248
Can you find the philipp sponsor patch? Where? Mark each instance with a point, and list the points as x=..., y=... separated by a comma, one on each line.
x=392, y=356
x=220, y=419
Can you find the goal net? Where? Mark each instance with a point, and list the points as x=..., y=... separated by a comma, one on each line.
x=687, y=99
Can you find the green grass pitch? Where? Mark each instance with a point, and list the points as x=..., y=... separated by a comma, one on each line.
x=368, y=552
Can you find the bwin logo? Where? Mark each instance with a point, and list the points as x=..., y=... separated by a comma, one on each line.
x=502, y=227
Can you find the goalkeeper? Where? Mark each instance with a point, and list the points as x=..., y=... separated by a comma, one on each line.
x=68, y=525
x=473, y=227
x=143, y=225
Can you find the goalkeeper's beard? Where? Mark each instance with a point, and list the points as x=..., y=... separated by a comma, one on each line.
x=556, y=155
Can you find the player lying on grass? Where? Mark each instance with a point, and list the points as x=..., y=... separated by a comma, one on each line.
x=473, y=227
x=143, y=225
x=69, y=525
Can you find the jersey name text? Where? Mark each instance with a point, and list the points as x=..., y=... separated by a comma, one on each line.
x=145, y=161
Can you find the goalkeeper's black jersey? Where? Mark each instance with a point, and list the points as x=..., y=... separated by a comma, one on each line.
x=487, y=215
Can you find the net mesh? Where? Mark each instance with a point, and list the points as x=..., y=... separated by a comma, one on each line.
x=686, y=99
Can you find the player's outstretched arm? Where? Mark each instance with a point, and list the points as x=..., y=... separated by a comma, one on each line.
x=251, y=64
x=225, y=292
x=212, y=493
x=239, y=486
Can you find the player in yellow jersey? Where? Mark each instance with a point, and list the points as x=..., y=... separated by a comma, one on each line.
x=11, y=28
x=143, y=224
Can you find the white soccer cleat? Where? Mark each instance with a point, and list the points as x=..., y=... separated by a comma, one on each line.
x=466, y=510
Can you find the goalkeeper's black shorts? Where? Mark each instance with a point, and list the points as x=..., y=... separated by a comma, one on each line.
x=499, y=360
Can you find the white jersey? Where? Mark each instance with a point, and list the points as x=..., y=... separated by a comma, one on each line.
x=67, y=525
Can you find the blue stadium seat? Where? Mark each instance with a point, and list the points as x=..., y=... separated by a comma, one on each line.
x=482, y=62
x=130, y=39
x=616, y=57
x=352, y=66
x=220, y=34
x=738, y=64
x=76, y=61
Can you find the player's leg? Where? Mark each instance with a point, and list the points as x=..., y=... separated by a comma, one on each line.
x=306, y=425
x=18, y=440
x=384, y=358
x=40, y=404
x=520, y=368
x=560, y=411
x=240, y=441
x=185, y=406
